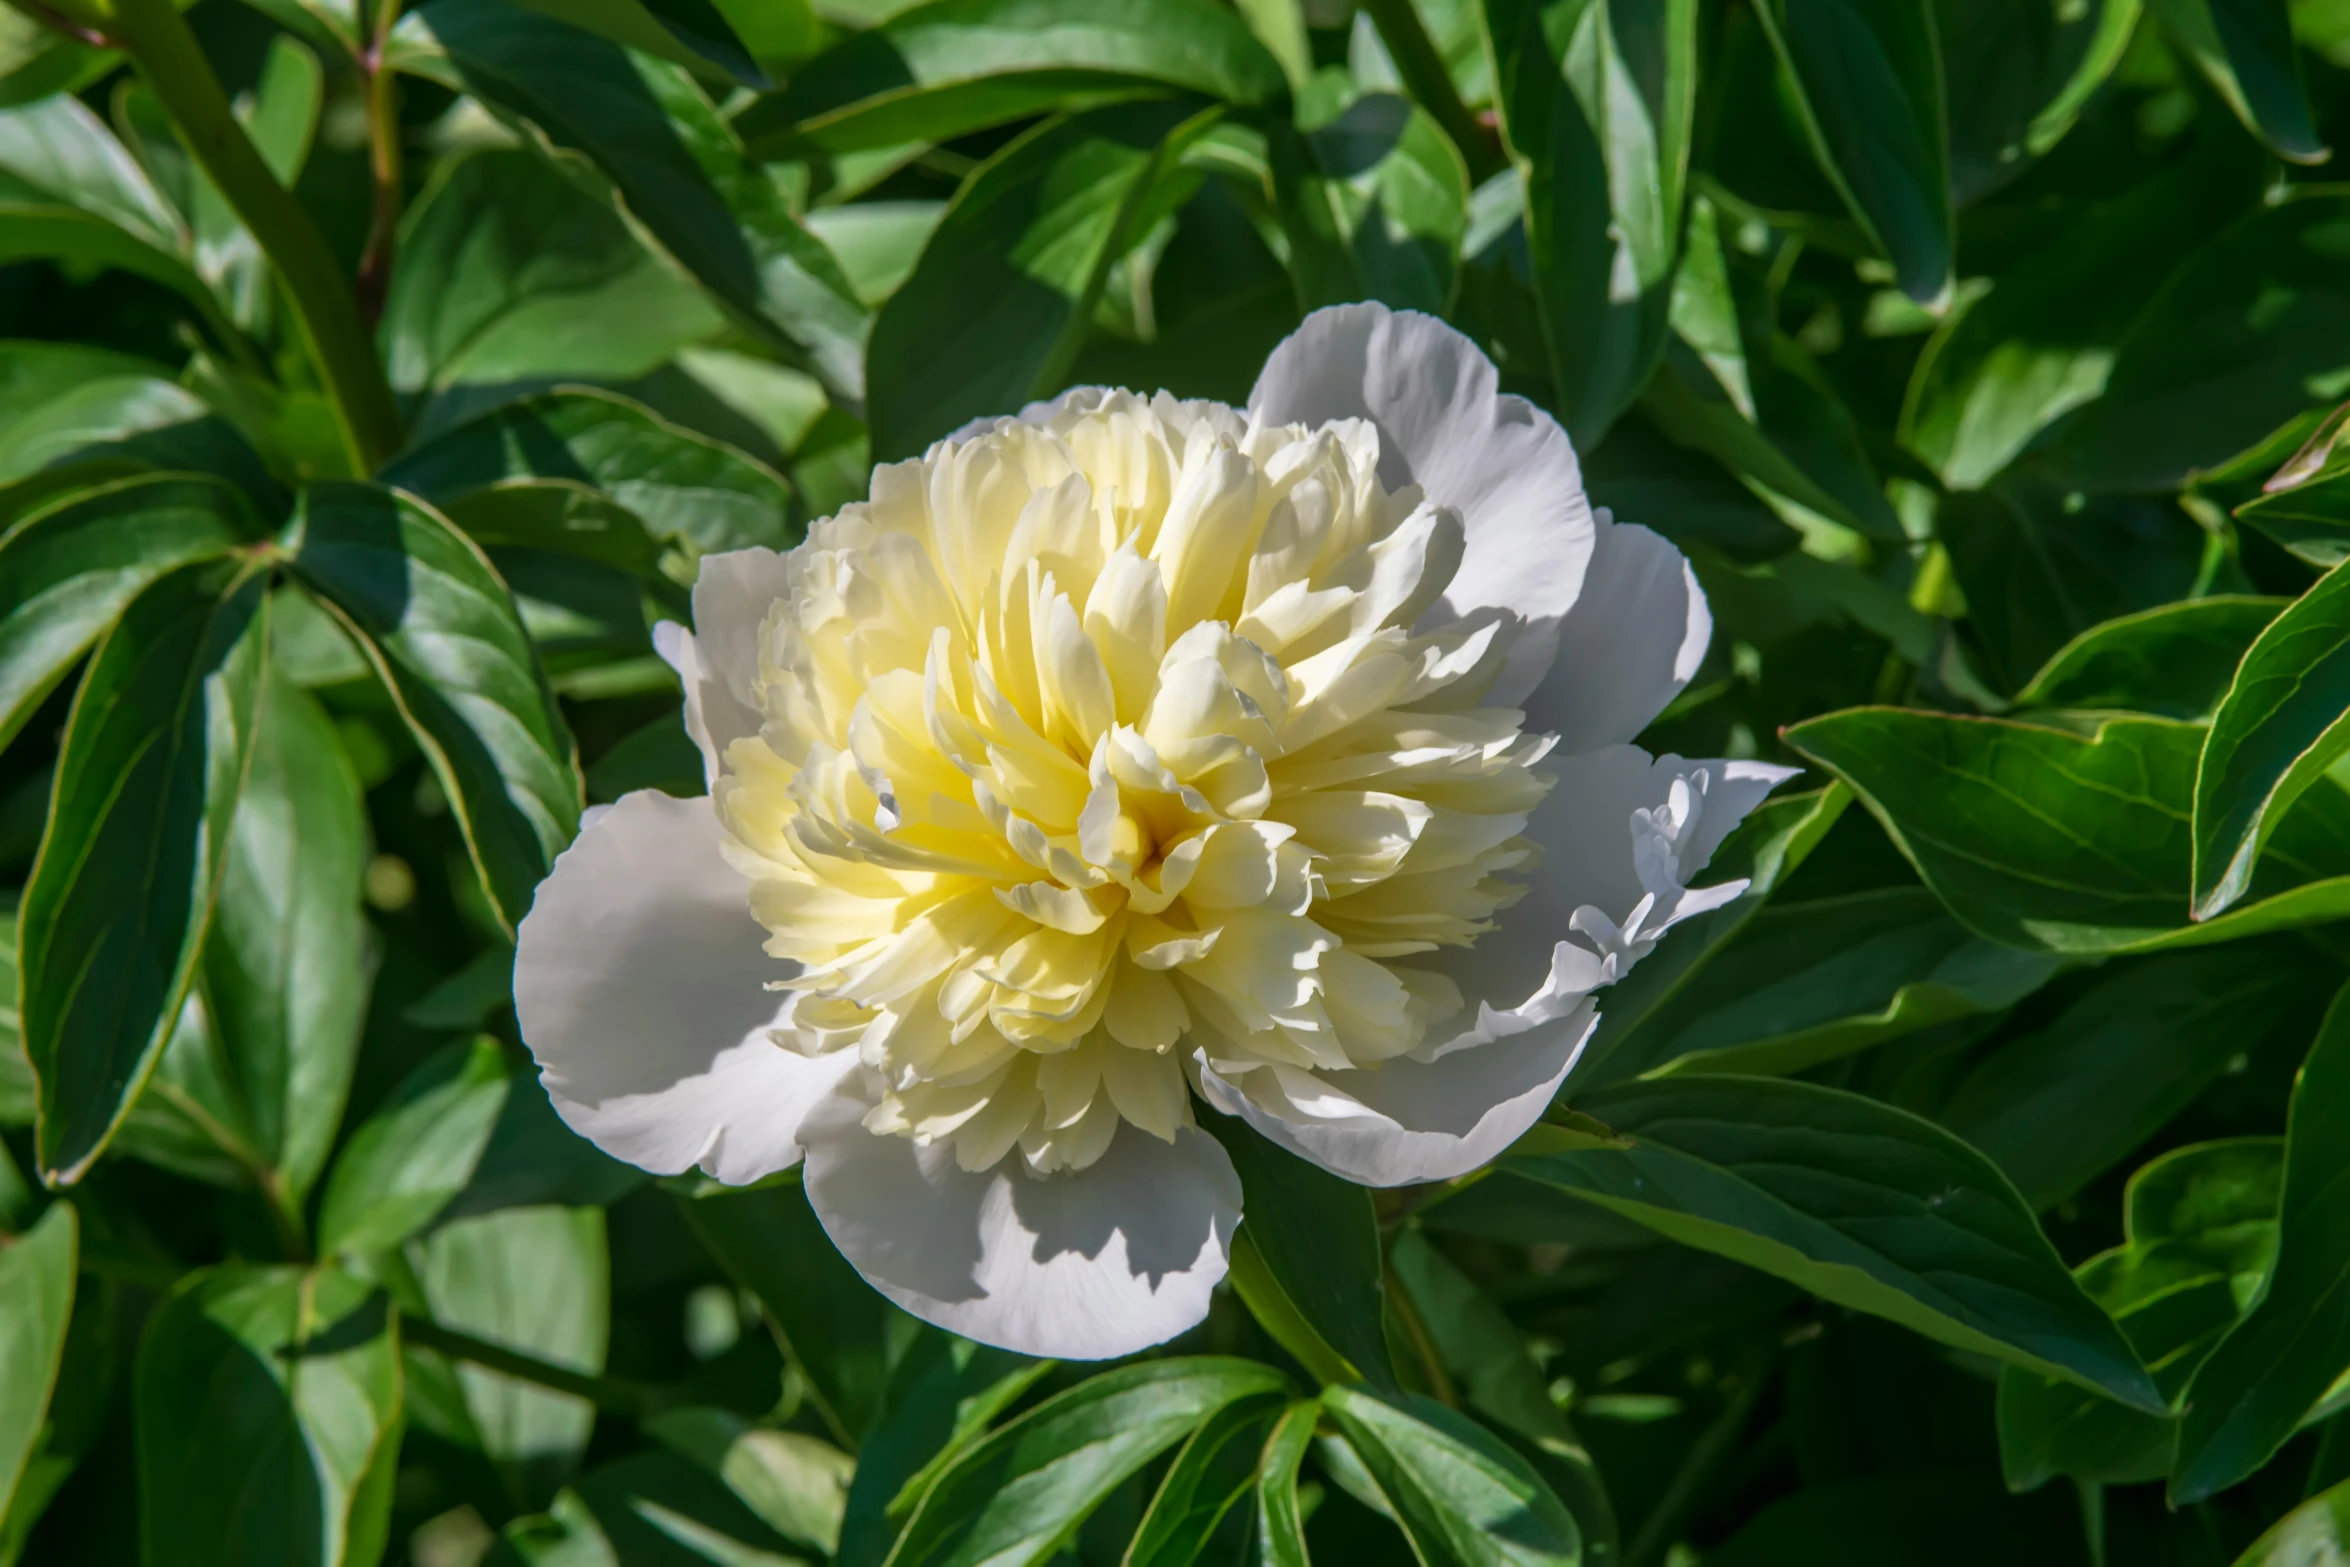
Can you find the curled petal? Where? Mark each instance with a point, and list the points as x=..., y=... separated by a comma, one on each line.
x=639, y=982
x=718, y=661
x=1089, y=1266
x=1408, y=1120
x=1630, y=644
x=1504, y=465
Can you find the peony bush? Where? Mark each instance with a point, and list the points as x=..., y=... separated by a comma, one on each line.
x=1158, y=781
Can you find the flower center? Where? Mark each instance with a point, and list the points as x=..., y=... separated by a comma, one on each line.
x=1095, y=742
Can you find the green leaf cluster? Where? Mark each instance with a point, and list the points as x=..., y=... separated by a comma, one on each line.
x=373, y=377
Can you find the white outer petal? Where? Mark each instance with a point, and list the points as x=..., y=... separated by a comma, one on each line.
x=1457, y=1102
x=638, y=978
x=718, y=661
x=1502, y=463
x=1630, y=644
x=1088, y=1265
x=1411, y=1120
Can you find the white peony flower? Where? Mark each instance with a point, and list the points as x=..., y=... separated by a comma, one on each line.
x=1125, y=756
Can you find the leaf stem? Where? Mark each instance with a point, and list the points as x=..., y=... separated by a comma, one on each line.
x=1687, y=1488
x=324, y=309
x=616, y=1395
x=383, y=166
x=1429, y=81
x=1424, y=1348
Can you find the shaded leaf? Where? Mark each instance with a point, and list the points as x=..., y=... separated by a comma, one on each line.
x=1458, y=1492
x=1863, y=1204
x=682, y=486
x=675, y=164
x=444, y=637
x=1318, y=1239
x=2200, y=1233
x=2281, y=725
x=935, y=72
x=997, y=307
x=509, y=275
x=2244, y=48
x=1375, y=201
x=1869, y=81
x=2057, y=1106
x=293, y=1379
x=36, y=1302
x=1596, y=104
x=419, y=1149
x=66, y=573
x=2064, y=840
x=114, y=913
x=797, y=1484
x=2176, y=661
x=1019, y=1495
x=2294, y=1341
x=1215, y=1471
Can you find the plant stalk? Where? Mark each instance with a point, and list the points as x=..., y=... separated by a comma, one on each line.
x=383, y=167
x=614, y=1395
x=324, y=307
x=1429, y=81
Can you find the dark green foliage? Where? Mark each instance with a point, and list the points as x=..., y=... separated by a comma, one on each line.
x=1968, y=1191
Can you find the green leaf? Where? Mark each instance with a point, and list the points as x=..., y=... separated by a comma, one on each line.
x=114, y=913
x=1868, y=77
x=1496, y=1368
x=797, y=1484
x=281, y=117
x=72, y=417
x=1596, y=105
x=2004, y=366
x=1280, y=1518
x=943, y=1393
x=2245, y=335
x=293, y=1378
x=2037, y=566
x=70, y=191
x=2175, y=661
x=1860, y=1203
x=2020, y=73
x=19, y=1098
x=1459, y=1493
x=2310, y=518
x=1019, y=1495
x=1808, y=982
x=2063, y=840
x=2278, y=1362
x=442, y=632
x=1945, y=1517
x=36, y=1302
x=682, y=486
x=2244, y=48
x=652, y=1509
x=2284, y=721
x=2200, y=1233
x=537, y=1280
x=287, y=958
x=419, y=1149
x=999, y=303
x=693, y=33
x=37, y=61
x=935, y=72
x=1374, y=200
x=877, y=242
x=1318, y=1240
x=2316, y=1532
x=2057, y=1106
x=671, y=160
x=1682, y=494
x=507, y=274
x=1768, y=847
x=832, y=1324
x=66, y=573
x=1214, y=1472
